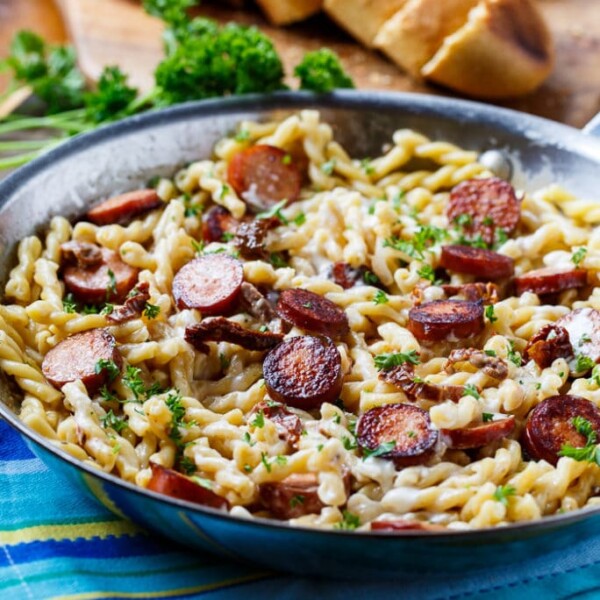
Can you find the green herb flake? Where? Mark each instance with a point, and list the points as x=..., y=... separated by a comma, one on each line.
x=350, y=521
x=490, y=352
x=328, y=167
x=111, y=421
x=198, y=246
x=587, y=453
x=513, y=355
x=384, y=362
x=69, y=304
x=111, y=289
x=503, y=493
x=132, y=380
x=427, y=272
x=380, y=298
x=151, y=311
x=248, y=439
x=297, y=500
x=259, y=419
x=370, y=278
x=471, y=390
x=349, y=443
x=265, y=462
x=366, y=166
x=578, y=256
x=300, y=219
x=583, y=363
x=243, y=135
x=490, y=314
x=277, y=260
x=224, y=361
x=381, y=450
x=109, y=366
x=487, y=417
x=187, y=465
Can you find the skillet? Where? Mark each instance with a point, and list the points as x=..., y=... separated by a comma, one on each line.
x=127, y=154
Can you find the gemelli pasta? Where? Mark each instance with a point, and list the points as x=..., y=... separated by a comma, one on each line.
x=286, y=331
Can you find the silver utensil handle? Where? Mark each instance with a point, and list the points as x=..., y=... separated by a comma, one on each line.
x=593, y=127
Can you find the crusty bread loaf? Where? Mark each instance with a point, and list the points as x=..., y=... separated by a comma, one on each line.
x=416, y=32
x=362, y=18
x=284, y=12
x=503, y=50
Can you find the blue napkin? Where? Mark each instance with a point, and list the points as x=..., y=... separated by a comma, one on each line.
x=55, y=543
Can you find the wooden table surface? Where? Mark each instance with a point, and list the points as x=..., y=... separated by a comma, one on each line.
x=571, y=94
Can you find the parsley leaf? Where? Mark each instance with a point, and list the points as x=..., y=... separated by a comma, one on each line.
x=394, y=359
x=321, y=71
x=109, y=366
x=503, y=492
x=487, y=417
x=578, y=256
x=297, y=500
x=380, y=298
x=583, y=363
x=382, y=449
x=490, y=314
x=471, y=390
x=349, y=522
x=259, y=419
x=513, y=355
x=69, y=304
x=427, y=272
x=275, y=211
x=151, y=311
x=187, y=465
x=111, y=421
x=328, y=167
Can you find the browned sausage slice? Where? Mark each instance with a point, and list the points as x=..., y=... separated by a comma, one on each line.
x=304, y=372
x=216, y=223
x=250, y=238
x=406, y=428
x=108, y=281
x=550, y=280
x=583, y=327
x=550, y=426
x=174, y=484
x=548, y=344
x=445, y=319
x=125, y=207
x=480, y=435
x=77, y=357
x=490, y=203
x=134, y=305
x=289, y=426
x=404, y=525
x=209, y=283
x=313, y=313
x=220, y=329
x=263, y=176
x=82, y=254
x=477, y=261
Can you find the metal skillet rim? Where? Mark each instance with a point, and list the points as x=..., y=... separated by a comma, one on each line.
x=458, y=110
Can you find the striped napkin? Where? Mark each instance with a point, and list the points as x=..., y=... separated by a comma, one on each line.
x=56, y=543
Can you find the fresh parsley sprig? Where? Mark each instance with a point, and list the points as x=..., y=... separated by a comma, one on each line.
x=389, y=360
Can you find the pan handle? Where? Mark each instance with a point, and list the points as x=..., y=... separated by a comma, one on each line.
x=593, y=127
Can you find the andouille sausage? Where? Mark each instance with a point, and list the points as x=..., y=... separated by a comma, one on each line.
x=250, y=237
x=445, y=319
x=480, y=435
x=210, y=283
x=403, y=377
x=304, y=372
x=404, y=525
x=171, y=483
x=313, y=313
x=82, y=254
x=134, y=304
x=405, y=427
x=549, y=343
x=109, y=280
x=216, y=222
x=289, y=426
x=550, y=426
x=488, y=293
x=550, y=280
x=220, y=329
x=490, y=203
x=264, y=175
x=492, y=366
x=77, y=358
x=583, y=327
x=477, y=261
x=295, y=496
x=123, y=208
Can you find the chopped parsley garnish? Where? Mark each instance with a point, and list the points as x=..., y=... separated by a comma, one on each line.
x=297, y=500
x=464, y=220
x=107, y=395
x=277, y=260
x=387, y=361
x=487, y=417
x=350, y=521
x=490, y=352
x=174, y=404
x=224, y=361
x=243, y=135
x=328, y=167
x=187, y=465
x=370, y=278
x=382, y=449
x=397, y=200
x=203, y=482
x=427, y=272
x=275, y=211
x=134, y=382
x=503, y=492
x=224, y=191
x=111, y=421
x=111, y=289
x=109, y=366
x=151, y=311
x=426, y=237
x=487, y=221
x=300, y=219
x=583, y=363
x=380, y=298
x=228, y=236
x=595, y=376
x=248, y=468
x=259, y=419
x=371, y=209
x=587, y=453
x=248, y=439
x=366, y=166
x=198, y=246
x=411, y=434
x=349, y=443
x=471, y=390
x=501, y=237
x=69, y=304
x=490, y=314
x=513, y=355
x=107, y=309
x=308, y=305
x=287, y=159
x=263, y=459
x=475, y=242
x=281, y=460
x=578, y=256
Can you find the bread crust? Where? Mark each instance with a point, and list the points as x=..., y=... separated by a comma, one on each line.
x=284, y=12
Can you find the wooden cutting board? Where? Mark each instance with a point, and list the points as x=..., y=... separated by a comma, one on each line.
x=109, y=32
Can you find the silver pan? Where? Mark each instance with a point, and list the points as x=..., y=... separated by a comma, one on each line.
x=126, y=155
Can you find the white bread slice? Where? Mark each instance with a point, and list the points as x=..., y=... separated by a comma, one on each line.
x=284, y=12
x=504, y=50
x=416, y=32
x=362, y=18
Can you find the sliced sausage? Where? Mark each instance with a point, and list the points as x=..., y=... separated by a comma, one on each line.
x=405, y=427
x=550, y=280
x=209, y=283
x=445, y=319
x=216, y=222
x=123, y=208
x=250, y=238
x=82, y=254
x=289, y=426
x=492, y=366
x=550, y=426
x=108, y=281
x=77, y=358
x=404, y=525
x=174, y=484
x=549, y=343
x=403, y=377
x=477, y=261
x=478, y=436
x=490, y=203
x=345, y=275
x=134, y=304
x=263, y=176
x=304, y=372
x=488, y=293
x=313, y=313
x=220, y=329
x=583, y=327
